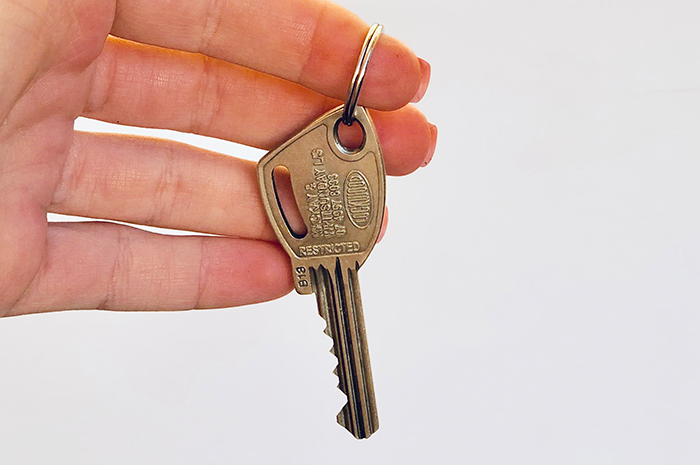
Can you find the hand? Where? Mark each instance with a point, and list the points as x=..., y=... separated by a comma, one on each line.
x=250, y=72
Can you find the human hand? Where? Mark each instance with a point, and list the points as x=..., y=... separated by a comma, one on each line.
x=249, y=72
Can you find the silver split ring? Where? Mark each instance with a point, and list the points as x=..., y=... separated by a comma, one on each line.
x=354, y=90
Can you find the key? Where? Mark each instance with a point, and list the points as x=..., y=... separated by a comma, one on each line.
x=340, y=194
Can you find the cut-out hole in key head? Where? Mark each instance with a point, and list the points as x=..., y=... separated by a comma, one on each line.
x=286, y=202
x=349, y=139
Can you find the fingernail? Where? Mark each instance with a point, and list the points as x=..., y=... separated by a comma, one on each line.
x=424, y=80
x=433, y=144
x=385, y=223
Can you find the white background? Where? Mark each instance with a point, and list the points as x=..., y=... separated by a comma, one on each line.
x=536, y=299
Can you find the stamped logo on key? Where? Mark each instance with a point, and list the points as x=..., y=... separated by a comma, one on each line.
x=358, y=199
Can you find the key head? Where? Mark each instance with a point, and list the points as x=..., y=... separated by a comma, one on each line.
x=340, y=194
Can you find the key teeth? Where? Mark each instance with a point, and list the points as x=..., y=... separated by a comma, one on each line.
x=341, y=389
x=341, y=418
x=335, y=372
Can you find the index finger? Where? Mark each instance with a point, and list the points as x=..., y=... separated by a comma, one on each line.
x=312, y=42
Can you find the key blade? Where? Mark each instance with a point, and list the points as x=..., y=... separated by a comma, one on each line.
x=348, y=287
x=339, y=303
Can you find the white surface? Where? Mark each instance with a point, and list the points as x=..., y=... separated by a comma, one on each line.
x=536, y=299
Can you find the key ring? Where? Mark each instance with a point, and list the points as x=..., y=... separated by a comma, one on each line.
x=354, y=90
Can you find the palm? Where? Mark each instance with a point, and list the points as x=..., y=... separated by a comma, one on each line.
x=37, y=134
x=63, y=65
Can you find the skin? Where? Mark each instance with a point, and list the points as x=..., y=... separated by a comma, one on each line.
x=249, y=72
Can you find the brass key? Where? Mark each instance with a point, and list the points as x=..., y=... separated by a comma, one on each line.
x=340, y=194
